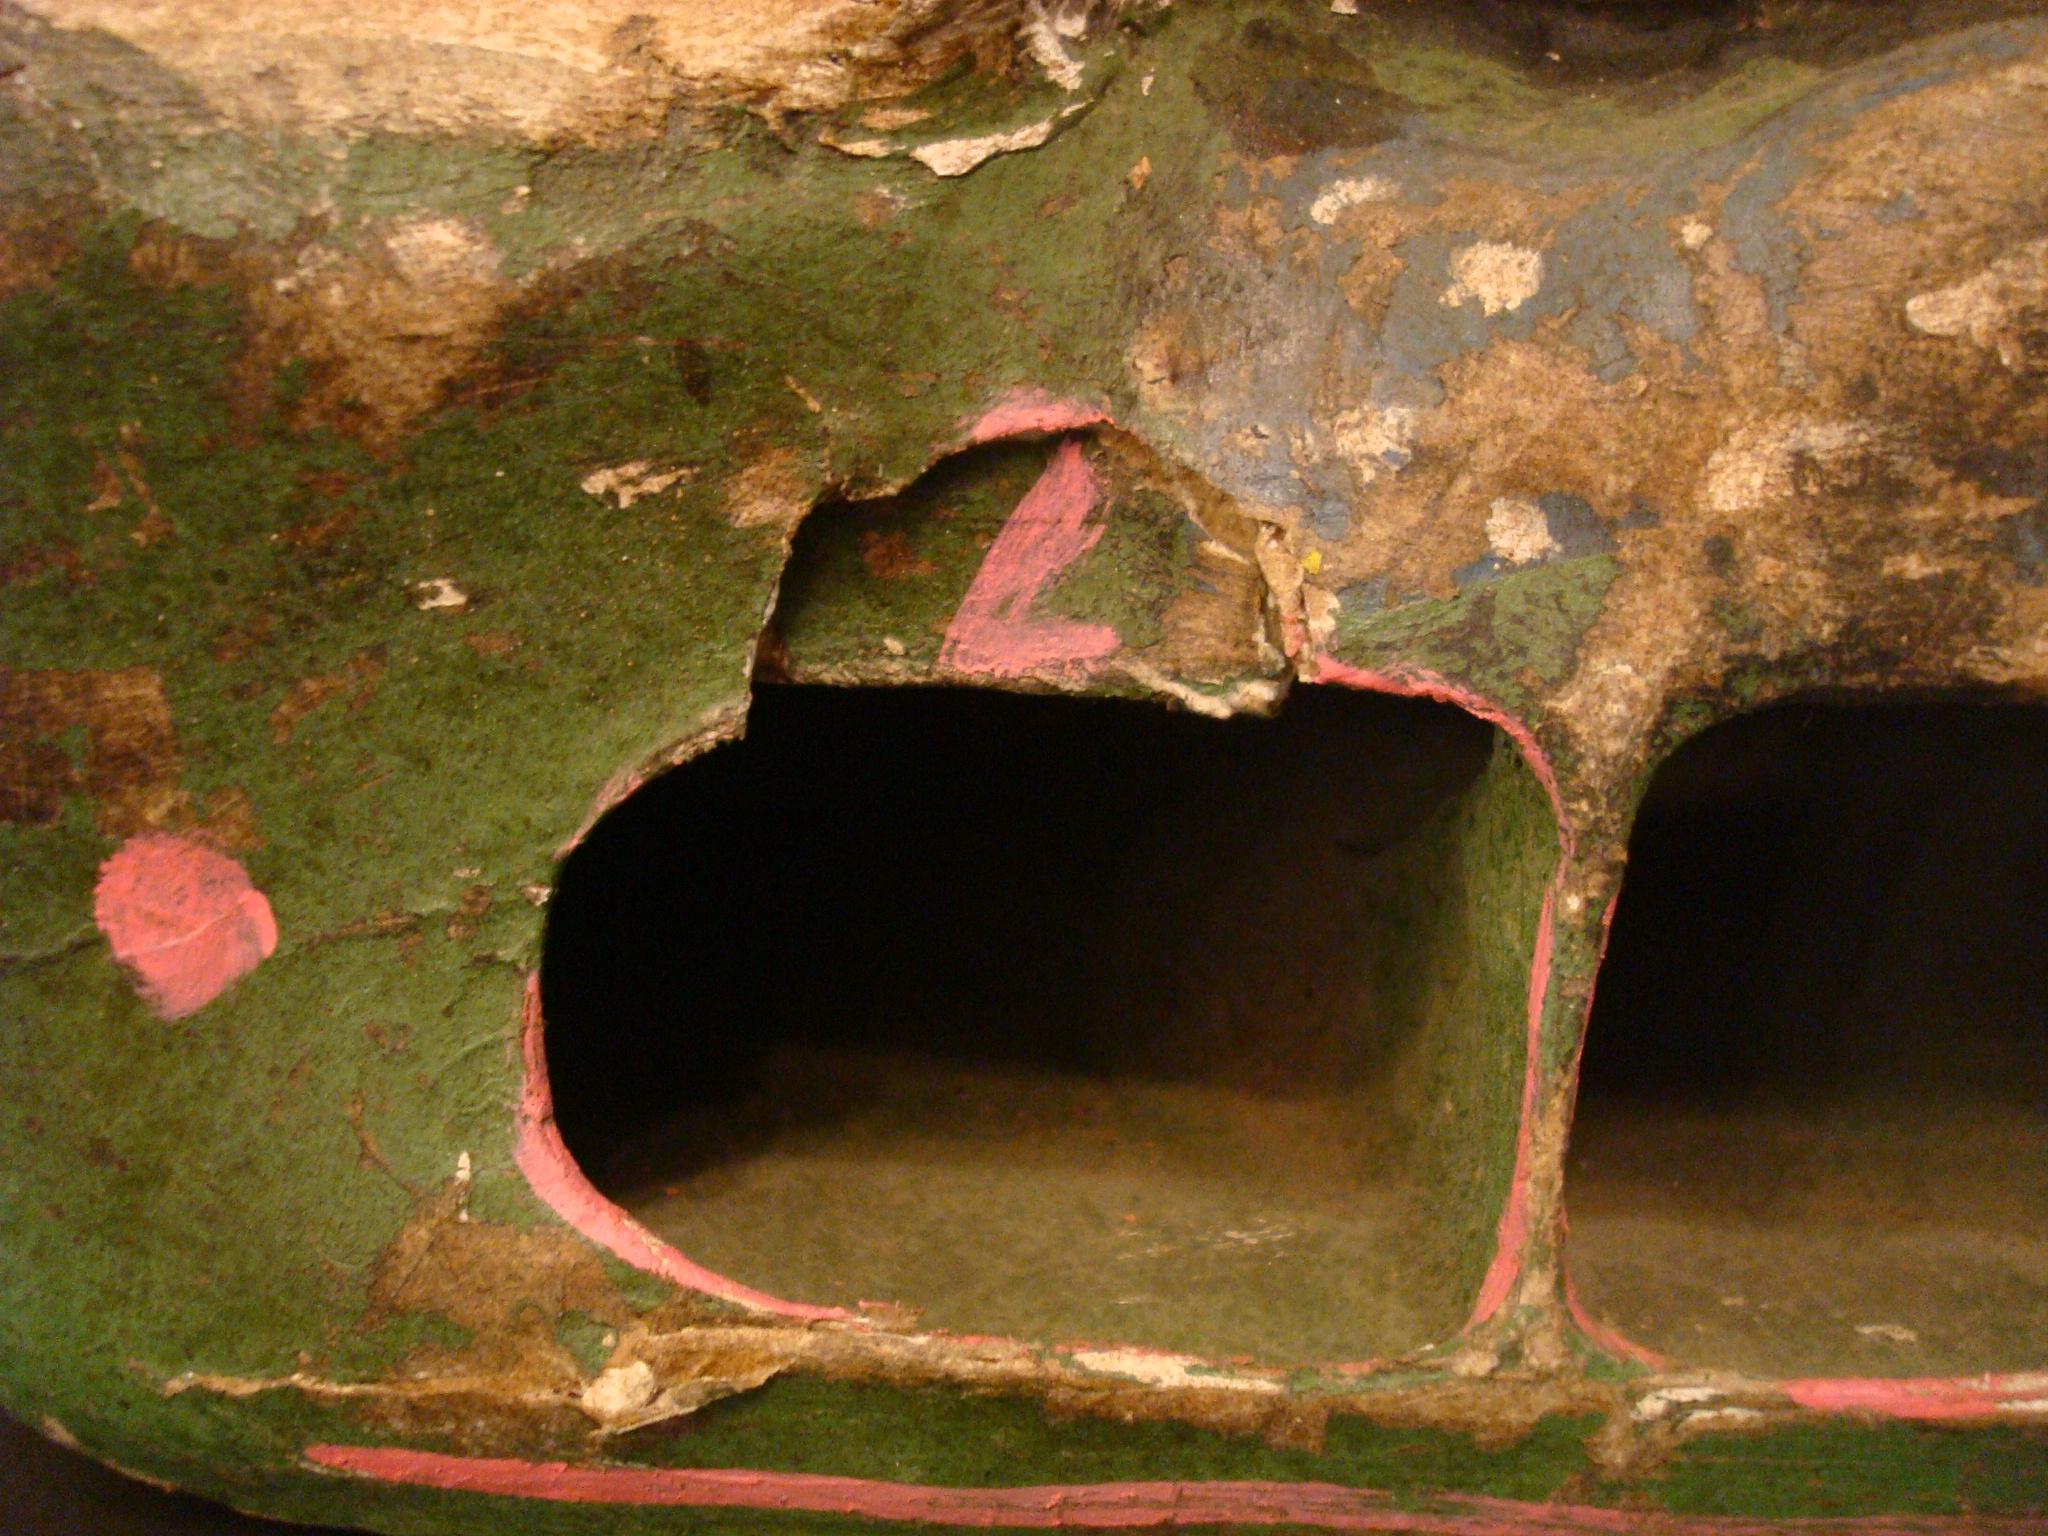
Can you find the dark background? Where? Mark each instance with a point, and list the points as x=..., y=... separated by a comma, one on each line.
x=46, y=1490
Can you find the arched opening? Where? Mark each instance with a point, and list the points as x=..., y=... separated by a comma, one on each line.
x=1812, y=1132
x=1066, y=1019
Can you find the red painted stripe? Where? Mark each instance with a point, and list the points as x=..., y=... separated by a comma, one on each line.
x=1933, y=1399
x=1098, y=1506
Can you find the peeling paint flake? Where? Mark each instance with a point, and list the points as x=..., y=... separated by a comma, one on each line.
x=956, y=157
x=1997, y=309
x=439, y=594
x=624, y=484
x=1349, y=193
x=1518, y=531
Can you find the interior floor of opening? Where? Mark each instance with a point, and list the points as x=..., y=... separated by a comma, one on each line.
x=1812, y=1134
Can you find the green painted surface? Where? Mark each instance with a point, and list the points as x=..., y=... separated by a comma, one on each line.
x=214, y=1193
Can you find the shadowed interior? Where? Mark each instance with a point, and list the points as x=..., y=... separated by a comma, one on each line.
x=1064, y=1018
x=1812, y=1133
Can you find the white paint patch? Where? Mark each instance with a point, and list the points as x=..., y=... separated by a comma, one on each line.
x=1891, y=1333
x=1349, y=193
x=434, y=251
x=956, y=157
x=624, y=484
x=1694, y=233
x=1161, y=1370
x=1344, y=7
x=619, y=1393
x=1375, y=440
x=439, y=595
x=1754, y=466
x=1041, y=34
x=1499, y=278
x=1995, y=309
x=1665, y=1401
x=1518, y=531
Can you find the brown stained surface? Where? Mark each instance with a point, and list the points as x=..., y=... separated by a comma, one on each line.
x=1067, y=1020
x=1863, y=1237
x=1045, y=1206
x=1813, y=1133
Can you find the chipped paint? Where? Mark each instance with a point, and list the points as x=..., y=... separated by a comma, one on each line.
x=1498, y=277
x=1167, y=1370
x=624, y=484
x=956, y=157
x=1350, y=192
x=1999, y=309
x=1518, y=531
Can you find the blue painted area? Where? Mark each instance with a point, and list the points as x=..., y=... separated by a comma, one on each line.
x=1362, y=599
x=1574, y=525
x=1767, y=247
x=2024, y=538
x=1615, y=260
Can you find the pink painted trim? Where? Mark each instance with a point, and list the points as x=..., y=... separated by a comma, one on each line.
x=1612, y=1340
x=993, y=634
x=552, y=1172
x=1599, y=1334
x=1099, y=1506
x=1024, y=411
x=1511, y=1238
x=1930, y=1399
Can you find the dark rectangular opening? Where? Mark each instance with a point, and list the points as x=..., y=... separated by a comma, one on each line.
x=1066, y=1019
x=1812, y=1132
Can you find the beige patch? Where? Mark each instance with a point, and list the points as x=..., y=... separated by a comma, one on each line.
x=772, y=492
x=1499, y=278
x=1756, y=466
x=385, y=329
x=1374, y=440
x=956, y=157
x=539, y=69
x=1349, y=193
x=1997, y=309
x=624, y=484
x=1518, y=531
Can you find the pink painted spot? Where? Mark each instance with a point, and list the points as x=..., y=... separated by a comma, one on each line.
x=544, y=1160
x=993, y=634
x=185, y=919
x=1025, y=411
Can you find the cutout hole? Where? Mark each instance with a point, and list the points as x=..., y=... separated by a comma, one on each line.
x=1066, y=1019
x=1812, y=1134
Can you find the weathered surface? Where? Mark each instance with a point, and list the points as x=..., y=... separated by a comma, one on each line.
x=406, y=418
